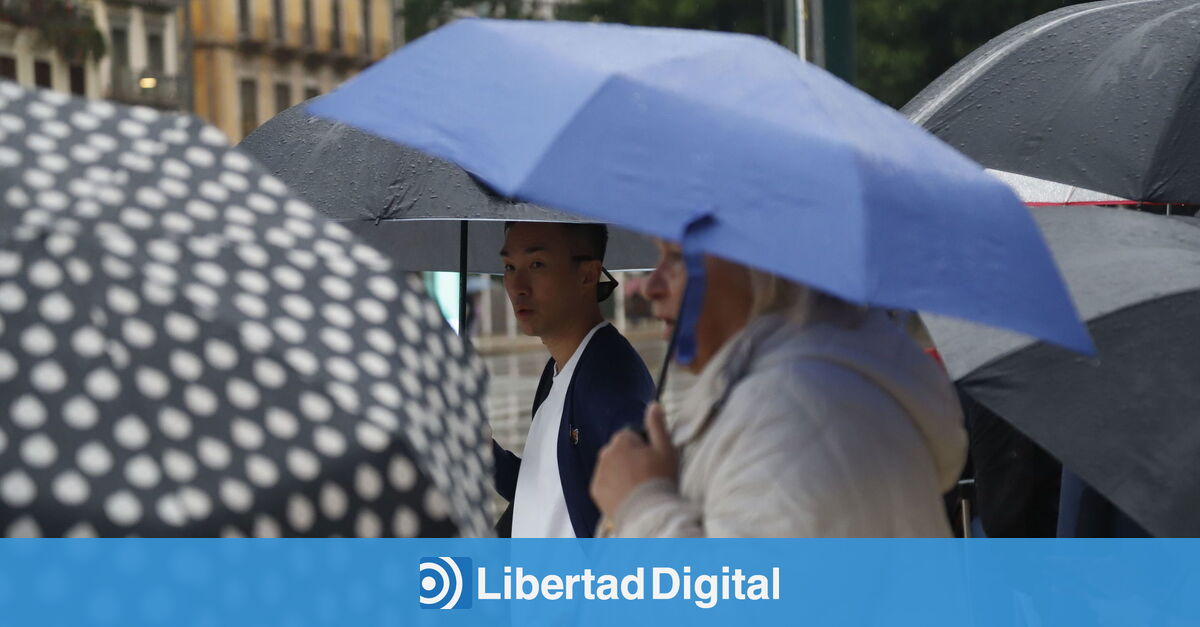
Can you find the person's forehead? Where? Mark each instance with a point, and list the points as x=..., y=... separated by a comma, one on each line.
x=546, y=235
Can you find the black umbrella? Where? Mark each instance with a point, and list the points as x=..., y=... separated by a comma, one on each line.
x=370, y=185
x=1104, y=96
x=1126, y=422
x=188, y=349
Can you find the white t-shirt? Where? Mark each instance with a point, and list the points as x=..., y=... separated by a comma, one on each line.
x=539, y=507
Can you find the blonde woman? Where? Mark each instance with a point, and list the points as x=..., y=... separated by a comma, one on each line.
x=810, y=417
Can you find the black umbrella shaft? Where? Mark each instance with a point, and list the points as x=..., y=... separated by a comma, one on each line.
x=462, y=278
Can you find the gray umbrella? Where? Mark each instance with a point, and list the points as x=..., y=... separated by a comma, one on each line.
x=1126, y=421
x=1104, y=96
x=188, y=349
x=372, y=186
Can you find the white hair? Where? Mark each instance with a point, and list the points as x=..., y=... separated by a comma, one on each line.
x=802, y=304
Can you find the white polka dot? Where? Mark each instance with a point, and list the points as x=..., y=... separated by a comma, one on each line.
x=160, y=273
x=383, y=288
x=213, y=453
x=17, y=489
x=367, y=525
x=181, y=224
x=387, y=394
x=56, y=308
x=371, y=310
x=255, y=337
x=282, y=424
x=333, y=501
x=149, y=147
x=186, y=365
x=381, y=341
x=85, y=121
x=239, y=233
x=150, y=197
x=300, y=513
x=158, y=294
x=269, y=374
x=8, y=366
x=235, y=181
x=28, y=412
x=123, y=508
x=80, y=412
x=48, y=377
x=253, y=281
x=117, y=269
x=220, y=354
x=315, y=407
x=371, y=437
x=297, y=306
x=374, y=364
x=303, y=464
x=180, y=327
x=202, y=296
x=342, y=266
x=40, y=143
x=174, y=136
x=405, y=523
x=179, y=466
x=210, y=273
x=199, y=400
x=45, y=274
x=266, y=527
x=261, y=203
x=250, y=305
x=254, y=256
x=56, y=164
x=174, y=423
x=402, y=474
x=337, y=340
x=130, y=128
x=88, y=342
x=81, y=530
x=338, y=315
x=152, y=383
x=102, y=385
x=138, y=333
x=229, y=531
x=70, y=488
x=367, y=482
x=136, y=162
x=10, y=263
x=212, y=136
x=107, y=195
x=170, y=510
x=131, y=433
x=9, y=158
x=235, y=160
x=302, y=361
x=289, y=330
x=195, y=502
x=199, y=157
x=141, y=472
x=214, y=192
x=304, y=259
x=122, y=300
x=39, y=451
x=164, y=251
x=94, y=459
x=275, y=187
x=38, y=340
x=17, y=198
x=177, y=169
x=329, y=442
x=242, y=394
x=174, y=188
x=261, y=471
x=246, y=434
x=300, y=228
x=3, y=441
x=101, y=108
x=24, y=527
x=236, y=495
x=280, y=238
x=342, y=368
x=84, y=153
x=385, y=419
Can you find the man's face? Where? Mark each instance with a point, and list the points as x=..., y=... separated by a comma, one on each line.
x=546, y=283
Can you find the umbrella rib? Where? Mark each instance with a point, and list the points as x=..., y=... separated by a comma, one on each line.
x=922, y=115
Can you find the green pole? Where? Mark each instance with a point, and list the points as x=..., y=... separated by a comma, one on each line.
x=838, y=25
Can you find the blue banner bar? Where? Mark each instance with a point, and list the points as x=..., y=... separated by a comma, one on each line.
x=218, y=583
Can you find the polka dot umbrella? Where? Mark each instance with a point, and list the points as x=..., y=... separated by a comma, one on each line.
x=187, y=349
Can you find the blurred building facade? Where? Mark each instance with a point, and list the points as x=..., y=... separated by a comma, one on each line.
x=254, y=58
x=49, y=44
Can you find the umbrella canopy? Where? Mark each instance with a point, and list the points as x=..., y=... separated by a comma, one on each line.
x=1125, y=422
x=1036, y=192
x=187, y=349
x=402, y=201
x=1104, y=96
x=727, y=143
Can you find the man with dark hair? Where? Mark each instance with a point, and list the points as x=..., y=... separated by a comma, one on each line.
x=594, y=384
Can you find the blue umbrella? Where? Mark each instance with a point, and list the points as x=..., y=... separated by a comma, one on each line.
x=728, y=144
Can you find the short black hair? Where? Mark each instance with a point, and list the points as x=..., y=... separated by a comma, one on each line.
x=593, y=235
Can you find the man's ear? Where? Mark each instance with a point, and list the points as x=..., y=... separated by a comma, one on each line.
x=591, y=271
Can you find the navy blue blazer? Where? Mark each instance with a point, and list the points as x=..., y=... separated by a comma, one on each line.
x=609, y=391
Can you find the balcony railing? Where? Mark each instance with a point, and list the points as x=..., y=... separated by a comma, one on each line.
x=148, y=88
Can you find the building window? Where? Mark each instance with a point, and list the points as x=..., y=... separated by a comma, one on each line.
x=309, y=24
x=249, y=93
x=41, y=74
x=78, y=80
x=366, y=27
x=244, y=27
x=336, y=31
x=311, y=92
x=280, y=24
x=8, y=68
x=283, y=96
x=120, y=47
x=154, y=52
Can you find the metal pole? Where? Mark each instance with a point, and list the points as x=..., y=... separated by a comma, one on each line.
x=800, y=24
x=462, y=279
x=189, y=51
